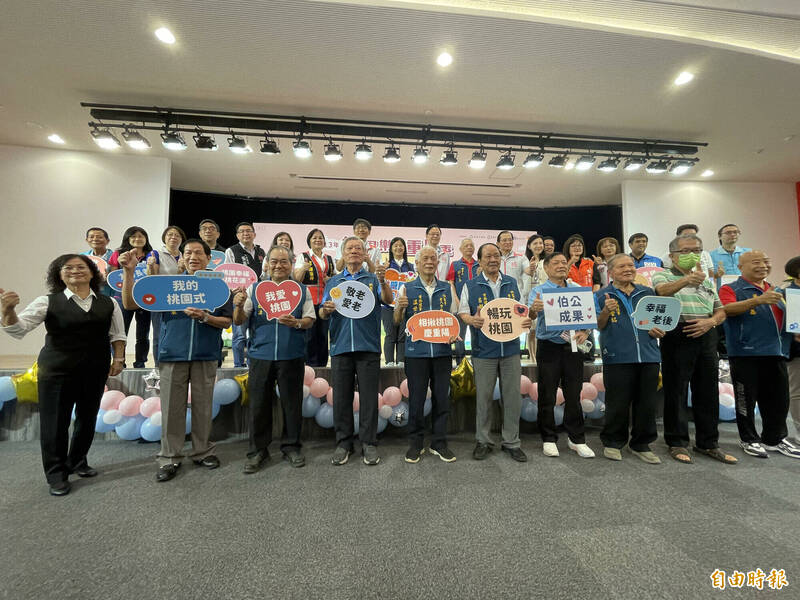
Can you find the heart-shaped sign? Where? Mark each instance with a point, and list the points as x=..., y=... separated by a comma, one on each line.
x=278, y=299
x=550, y=302
x=237, y=275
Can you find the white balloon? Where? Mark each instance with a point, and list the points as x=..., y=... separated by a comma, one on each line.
x=112, y=417
x=587, y=405
x=155, y=419
x=385, y=411
x=306, y=390
x=726, y=400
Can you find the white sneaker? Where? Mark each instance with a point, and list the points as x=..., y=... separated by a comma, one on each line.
x=550, y=449
x=754, y=449
x=582, y=449
x=389, y=364
x=785, y=447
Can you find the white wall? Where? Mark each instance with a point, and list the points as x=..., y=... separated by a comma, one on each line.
x=765, y=212
x=48, y=198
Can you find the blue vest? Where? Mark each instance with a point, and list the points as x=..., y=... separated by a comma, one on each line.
x=419, y=301
x=355, y=335
x=269, y=340
x=479, y=294
x=461, y=274
x=621, y=342
x=185, y=339
x=755, y=332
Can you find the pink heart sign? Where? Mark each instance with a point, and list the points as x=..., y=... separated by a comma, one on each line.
x=236, y=275
x=278, y=299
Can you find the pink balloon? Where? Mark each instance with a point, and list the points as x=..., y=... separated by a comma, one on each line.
x=524, y=385
x=404, y=388
x=356, y=401
x=319, y=387
x=589, y=391
x=329, y=396
x=150, y=406
x=129, y=407
x=726, y=388
x=111, y=400
x=597, y=381
x=105, y=389
x=560, y=396
x=392, y=396
x=309, y=376
x=533, y=391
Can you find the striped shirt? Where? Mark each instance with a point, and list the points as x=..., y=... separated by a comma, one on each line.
x=696, y=302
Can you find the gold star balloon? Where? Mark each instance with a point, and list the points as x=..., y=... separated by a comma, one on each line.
x=462, y=382
x=242, y=381
x=27, y=384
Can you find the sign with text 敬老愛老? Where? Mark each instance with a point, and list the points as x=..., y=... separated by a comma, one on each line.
x=353, y=299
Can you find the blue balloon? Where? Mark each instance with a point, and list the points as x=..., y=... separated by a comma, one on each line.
x=496, y=394
x=7, y=390
x=382, y=423
x=689, y=397
x=226, y=391
x=310, y=406
x=73, y=413
x=356, y=421
x=727, y=413
x=324, y=416
x=188, y=421
x=601, y=396
x=215, y=408
x=150, y=432
x=399, y=416
x=558, y=413
x=130, y=428
x=100, y=426
x=599, y=410
x=426, y=410
x=530, y=410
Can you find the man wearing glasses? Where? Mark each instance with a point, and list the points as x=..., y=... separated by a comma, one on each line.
x=726, y=257
x=209, y=233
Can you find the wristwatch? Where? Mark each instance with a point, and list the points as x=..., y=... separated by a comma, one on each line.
x=298, y=325
x=205, y=318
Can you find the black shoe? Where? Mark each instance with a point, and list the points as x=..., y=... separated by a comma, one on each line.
x=209, y=462
x=295, y=459
x=444, y=453
x=138, y=365
x=413, y=455
x=481, y=451
x=167, y=472
x=253, y=463
x=60, y=488
x=516, y=453
x=84, y=471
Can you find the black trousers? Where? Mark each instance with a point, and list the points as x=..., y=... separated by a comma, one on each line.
x=394, y=342
x=557, y=364
x=630, y=392
x=142, y=333
x=317, y=341
x=57, y=396
x=689, y=361
x=345, y=370
x=422, y=372
x=261, y=394
x=761, y=380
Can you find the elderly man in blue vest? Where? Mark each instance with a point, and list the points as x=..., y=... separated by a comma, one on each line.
x=355, y=353
x=758, y=347
x=492, y=359
x=277, y=355
x=427, y=364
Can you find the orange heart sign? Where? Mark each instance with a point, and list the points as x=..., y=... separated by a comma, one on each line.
x=435, y=326
x=278, y=299
x=503, y=319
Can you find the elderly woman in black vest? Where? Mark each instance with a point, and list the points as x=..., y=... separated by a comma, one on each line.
x=74, y=362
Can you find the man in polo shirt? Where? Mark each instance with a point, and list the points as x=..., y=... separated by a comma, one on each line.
x=689, y=354
x=511, y=263
x=638, y=244
x=209, y=233
x=705, y=257
x=433, y=235
x=726, y=256
x=98, y=239
x=372, y=256
x=461, y=271
x=758, y=348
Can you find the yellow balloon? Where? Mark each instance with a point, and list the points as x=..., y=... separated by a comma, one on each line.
x=27, y=385
x=462, y=382
x=660, y=381
x=242, y=381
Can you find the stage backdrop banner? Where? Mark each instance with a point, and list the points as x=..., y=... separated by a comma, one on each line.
x=380, y=237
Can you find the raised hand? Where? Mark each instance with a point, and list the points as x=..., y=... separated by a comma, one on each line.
x=770, y=297
x=8, y=301
x=239, y=297
x=611, y=305
x=127, y=260
x=538, y=304
x=380, y=273
x=599, y=260
x=696, y=277
x=401, y=301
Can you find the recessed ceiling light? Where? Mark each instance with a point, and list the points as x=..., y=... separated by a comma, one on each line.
x=707, y=173
x=56, y=139
x=445, y=59
x=165, y=35
x=684, y=78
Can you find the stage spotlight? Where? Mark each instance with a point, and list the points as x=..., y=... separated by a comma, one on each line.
x=301, y=149
x=238, y=145
x=105, y=139
x=204, y=142
x=392, y=155
x=608, y=165
x=333, y=152
x=584, y=163
x=559, y=162
x=478, y=160
x=269, y=147
x=420, y=156
x=449, y=157
x=634, y=164
x=363, y=151
x=135, y=140
x=657, y=167
x=506, y=161
x=533, y=160
x=173, y=140
x=679, y=167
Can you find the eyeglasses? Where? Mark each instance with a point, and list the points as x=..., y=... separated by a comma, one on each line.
x=74, y=268
x=246, y=231
x=731, y=232
x=209, y=228
x=688, y=251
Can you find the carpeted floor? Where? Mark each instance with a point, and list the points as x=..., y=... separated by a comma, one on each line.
x=551, y=528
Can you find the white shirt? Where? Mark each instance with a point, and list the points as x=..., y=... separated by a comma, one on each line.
x=528, y=282
x=308, y=305
x=374, y=254
x=463, y=305
x=443, y=259
x=33, y=315
x=514, y=265
x=230, y=258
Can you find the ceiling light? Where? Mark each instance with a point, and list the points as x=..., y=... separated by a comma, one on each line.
x=269, y=147
x=172, y=140
x=420, y=156
x=334, y=153
x=657, y=167
x=105, y=139
x=135, y=140
x=558, y=161
x=608, y=165
x=392, y=155
x=363, y=151
x=584, y=163
x=506, y=161
x=569, y=166
x=449, y=157
x=301, y=149
x=684, y=78
x=238, y=145
x=533, y=160
x=634, y=164
x=707, y=173
x=165, y=35
x=478, y=160
x=204, y=142
x=679, y=167
x=56, y=139
x=445, y=59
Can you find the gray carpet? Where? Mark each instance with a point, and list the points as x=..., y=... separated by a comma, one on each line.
x=551, y=528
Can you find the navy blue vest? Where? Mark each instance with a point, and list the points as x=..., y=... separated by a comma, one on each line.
x=269, y=340
x=479, y=294
x=620, y=341
x=419, y=301
x=755, y=332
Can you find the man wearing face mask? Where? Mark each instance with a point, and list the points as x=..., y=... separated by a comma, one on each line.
x=689, y=354
x=758, y=348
